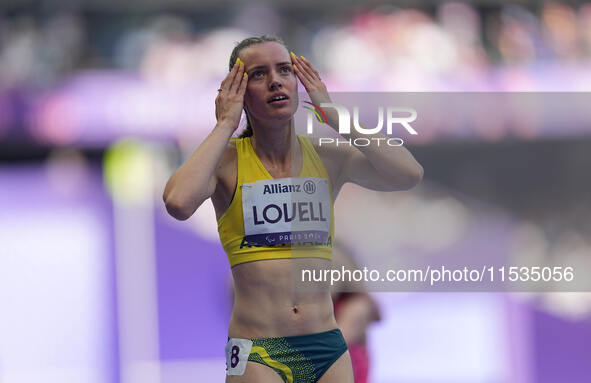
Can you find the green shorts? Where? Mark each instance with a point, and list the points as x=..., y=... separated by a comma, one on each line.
x=297, y=359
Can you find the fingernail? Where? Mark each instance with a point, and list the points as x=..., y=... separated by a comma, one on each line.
x=295, y=66
x=244, y=74
x=304, y=58
x=293, y=54
x=237, y=60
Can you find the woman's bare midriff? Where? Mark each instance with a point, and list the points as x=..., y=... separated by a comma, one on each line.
x=268, y=304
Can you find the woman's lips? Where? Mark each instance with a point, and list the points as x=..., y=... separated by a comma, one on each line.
x=277, y=95
x=279, y=102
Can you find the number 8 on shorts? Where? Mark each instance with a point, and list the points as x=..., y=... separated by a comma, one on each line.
x=237, y=352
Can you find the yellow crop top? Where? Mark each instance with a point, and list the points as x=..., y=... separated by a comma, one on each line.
x=272, y=218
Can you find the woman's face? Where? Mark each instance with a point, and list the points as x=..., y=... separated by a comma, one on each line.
x=272, y=90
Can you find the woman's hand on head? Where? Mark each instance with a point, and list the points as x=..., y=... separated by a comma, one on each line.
x=310, y=79
x=230, y=100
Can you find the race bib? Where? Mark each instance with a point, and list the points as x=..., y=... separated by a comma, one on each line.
x=286, y=210
x=237, y=352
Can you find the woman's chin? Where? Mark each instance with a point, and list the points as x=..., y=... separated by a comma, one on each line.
x=281, y=115
x=277, y=116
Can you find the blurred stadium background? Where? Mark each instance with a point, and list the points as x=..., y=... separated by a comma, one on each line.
x=101, y=100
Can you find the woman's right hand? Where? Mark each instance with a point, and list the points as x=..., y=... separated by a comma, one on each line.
x=230, y=100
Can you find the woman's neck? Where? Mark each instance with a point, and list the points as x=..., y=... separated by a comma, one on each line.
x=275, y=143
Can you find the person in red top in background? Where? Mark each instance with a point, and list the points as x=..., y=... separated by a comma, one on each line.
x=355, y=311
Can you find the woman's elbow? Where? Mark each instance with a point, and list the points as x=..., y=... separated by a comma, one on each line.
x=177, y=209
x=417, y=174
x=411, y=178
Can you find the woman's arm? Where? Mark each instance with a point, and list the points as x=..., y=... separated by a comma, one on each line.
x=382, y=168
x=196, y=180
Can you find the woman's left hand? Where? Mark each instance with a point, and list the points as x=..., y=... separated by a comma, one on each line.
x=311, y=80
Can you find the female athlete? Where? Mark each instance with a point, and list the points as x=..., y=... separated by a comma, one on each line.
x=278, y=334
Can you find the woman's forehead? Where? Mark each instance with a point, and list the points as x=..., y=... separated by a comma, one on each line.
x=264, y=54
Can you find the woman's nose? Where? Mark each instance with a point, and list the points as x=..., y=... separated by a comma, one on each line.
x=275, y=84
x=274, y=81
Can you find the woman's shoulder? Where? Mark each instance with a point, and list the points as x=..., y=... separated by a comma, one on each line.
x=332, y=158
x=226, y=177
x=229, y=155
x=235, y=142
x=328, y=153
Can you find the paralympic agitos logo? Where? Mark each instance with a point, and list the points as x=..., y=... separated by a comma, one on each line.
x=392, y=117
